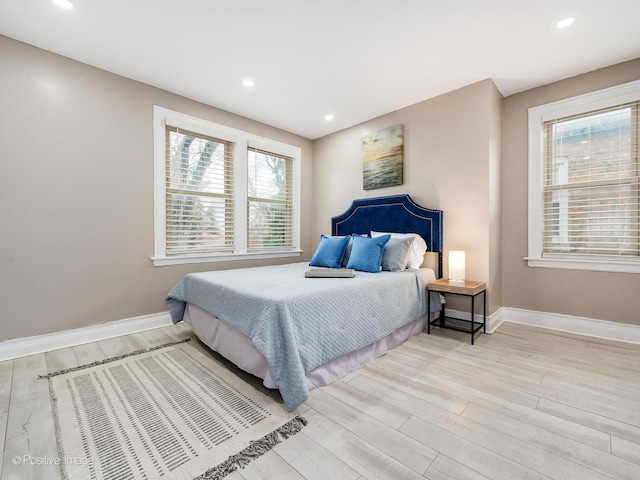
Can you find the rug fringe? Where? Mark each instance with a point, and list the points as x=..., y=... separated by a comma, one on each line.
x=112, y=359
x=255, y=450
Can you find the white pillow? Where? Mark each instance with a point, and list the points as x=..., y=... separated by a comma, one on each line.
x=417, y=250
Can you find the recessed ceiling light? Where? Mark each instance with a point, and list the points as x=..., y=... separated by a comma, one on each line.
x=566, y=22
x=248, y=83
x=328, y=117
x=63, y=3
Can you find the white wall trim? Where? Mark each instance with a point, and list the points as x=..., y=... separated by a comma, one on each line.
x=185, y=259
x=242, y=141
x=589, y=102
x=590, y=327
x=21, y=347
x=495, y=320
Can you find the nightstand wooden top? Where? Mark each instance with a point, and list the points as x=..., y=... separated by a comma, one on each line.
x=470, y=288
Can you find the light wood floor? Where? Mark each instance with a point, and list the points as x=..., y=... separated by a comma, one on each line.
x=522, y=403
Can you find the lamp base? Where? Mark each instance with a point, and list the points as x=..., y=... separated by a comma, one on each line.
x=456, y=283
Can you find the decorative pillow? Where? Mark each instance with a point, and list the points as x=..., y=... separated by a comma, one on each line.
x=330, y=251
x=366, y=253
x=396, y=254
x=418, y=247
x=347, y=252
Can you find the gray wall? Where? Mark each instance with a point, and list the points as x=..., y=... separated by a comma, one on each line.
x=604, y=296
x=76, y=195
x=451, y=162
x=466, y=153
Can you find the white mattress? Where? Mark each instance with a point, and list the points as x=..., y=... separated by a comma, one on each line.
x=238, y=348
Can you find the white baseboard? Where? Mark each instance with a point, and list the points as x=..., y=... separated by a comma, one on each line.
x=21, y=347
x=621, y=332
x=495, y=320
x=590, y=327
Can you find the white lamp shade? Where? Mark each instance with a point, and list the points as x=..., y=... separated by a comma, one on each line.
x=456, y=267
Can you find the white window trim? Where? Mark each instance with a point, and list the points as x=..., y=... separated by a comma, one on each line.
x=242, y=140
x=625, y=93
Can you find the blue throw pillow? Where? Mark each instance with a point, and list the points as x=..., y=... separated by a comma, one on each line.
x=366, y=253
x=347, y=252
x=330, y=251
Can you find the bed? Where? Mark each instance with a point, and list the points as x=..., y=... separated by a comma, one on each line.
x=300, y=333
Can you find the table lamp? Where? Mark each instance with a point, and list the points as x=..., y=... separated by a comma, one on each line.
x=456, y=267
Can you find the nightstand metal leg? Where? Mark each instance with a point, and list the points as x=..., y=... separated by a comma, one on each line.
x=428, y=312
x=473, y=325
x=484, y=311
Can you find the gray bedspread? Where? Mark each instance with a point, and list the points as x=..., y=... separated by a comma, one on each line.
x=299, y=323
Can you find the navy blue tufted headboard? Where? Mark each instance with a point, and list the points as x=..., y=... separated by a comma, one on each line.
x=396, y=213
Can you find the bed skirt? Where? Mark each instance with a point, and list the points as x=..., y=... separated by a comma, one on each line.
x=238, y=348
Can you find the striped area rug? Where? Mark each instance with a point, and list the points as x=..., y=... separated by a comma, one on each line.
x=168, y=413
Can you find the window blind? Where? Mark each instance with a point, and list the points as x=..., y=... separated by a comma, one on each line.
x=270, y=201
x=590, y=183
x=199, y=193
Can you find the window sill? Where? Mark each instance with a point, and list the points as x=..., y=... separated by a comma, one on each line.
x=225, y=257
x=594, y=264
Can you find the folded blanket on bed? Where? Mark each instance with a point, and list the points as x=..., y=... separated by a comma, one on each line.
x=298, y=325
x=330, y=273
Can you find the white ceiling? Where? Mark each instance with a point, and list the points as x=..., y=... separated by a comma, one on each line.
x=356, y=59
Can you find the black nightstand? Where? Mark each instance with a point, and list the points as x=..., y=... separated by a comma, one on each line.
x=470, y=289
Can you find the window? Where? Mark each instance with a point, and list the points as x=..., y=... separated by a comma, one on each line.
x=221, y=193
x=269, y=200
x=199, y=193
x=583, y=182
